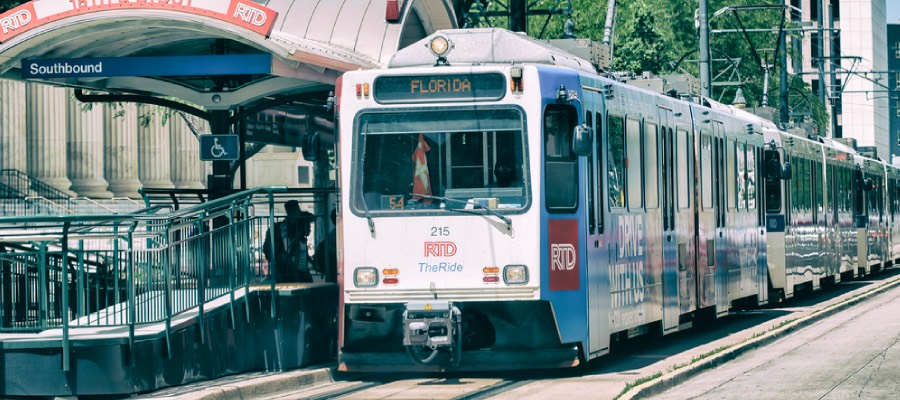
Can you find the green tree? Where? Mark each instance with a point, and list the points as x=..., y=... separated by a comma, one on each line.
x=9, y=4
x=640, y=46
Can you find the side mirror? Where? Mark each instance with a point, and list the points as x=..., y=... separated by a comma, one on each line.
x=311, y=146
x=786, y=172
x=581, y=140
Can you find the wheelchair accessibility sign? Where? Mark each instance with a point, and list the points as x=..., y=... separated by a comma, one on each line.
x=219, y=147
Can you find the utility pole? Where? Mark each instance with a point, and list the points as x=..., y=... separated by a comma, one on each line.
x=518, y=16
x=820, y=44
x=703, y=19
x=609, y=28
x=783, y=76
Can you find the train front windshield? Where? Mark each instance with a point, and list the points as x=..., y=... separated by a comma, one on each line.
x=440, y=161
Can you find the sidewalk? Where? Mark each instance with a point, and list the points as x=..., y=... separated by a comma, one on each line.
x=674, y=370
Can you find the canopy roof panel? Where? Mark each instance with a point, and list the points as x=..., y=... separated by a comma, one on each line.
x=311, y=41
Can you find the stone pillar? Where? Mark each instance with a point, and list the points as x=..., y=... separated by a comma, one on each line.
x=85, y=145
x=186, y=168
x=46, y=134
x=120, y=149
x=153, y=148
x=12, y=126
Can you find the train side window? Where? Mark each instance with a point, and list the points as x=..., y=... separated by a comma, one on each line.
x=858, y=203
x=848, y=190
x=651, y=181
x=797, y=192
x=741, y=178
x=592, y=184
x=751, y=174
x=706, y=188
x=773, y=184
x=600, y=169
x=804, y=191
x=560, y=163
x=730, y=176
x=682, y=171
x=634, y=184
x=616, y=161
x=819, y=194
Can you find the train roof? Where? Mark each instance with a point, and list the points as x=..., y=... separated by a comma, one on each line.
x=488, y=46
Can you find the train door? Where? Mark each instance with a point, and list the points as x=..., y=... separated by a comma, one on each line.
x=671, y=308
x=754, y=204
x=685, y=218
x=860, y=213
x=773, y=205
x=706, y=221
x=597, y=264
x=720, y=184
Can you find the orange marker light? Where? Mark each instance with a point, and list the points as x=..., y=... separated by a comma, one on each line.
x=491, y=270
x=366, y=89
x=390, y=271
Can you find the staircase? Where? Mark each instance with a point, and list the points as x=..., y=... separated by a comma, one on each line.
x=23, y=195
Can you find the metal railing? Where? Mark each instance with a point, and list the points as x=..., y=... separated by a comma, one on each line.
x=36, y=205
x=24, y=185
x=66, y=272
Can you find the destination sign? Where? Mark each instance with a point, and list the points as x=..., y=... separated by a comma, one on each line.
x=452, y=87
x=227, y=64
x=243, y=13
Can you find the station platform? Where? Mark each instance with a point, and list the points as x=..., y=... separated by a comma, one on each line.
x=231, y=334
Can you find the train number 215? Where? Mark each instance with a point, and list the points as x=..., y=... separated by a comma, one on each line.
x=440, y=231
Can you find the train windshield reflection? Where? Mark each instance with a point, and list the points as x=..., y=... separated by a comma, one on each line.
x=474, y=155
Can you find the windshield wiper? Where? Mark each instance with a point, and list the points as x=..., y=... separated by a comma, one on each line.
x=475, y=205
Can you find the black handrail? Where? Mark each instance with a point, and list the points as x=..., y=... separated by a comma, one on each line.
x=25, y=185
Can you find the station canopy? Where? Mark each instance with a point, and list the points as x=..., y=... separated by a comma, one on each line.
x=303, y=45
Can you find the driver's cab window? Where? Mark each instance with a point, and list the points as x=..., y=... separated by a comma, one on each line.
x=560, y=163
x=440, y=160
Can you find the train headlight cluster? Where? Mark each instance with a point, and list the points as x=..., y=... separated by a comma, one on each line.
x=365, y=277
x=515, y=274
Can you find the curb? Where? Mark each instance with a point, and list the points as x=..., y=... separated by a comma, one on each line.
x=265, y=386
x=670, y=379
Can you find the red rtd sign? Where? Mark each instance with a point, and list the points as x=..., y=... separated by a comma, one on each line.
x=440, y=249
x=243, y=13
x=562, y=254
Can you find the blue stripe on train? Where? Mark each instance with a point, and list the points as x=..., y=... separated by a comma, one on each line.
x=568, y=300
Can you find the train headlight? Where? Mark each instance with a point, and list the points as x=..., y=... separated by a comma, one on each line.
x=515, y=274
x=440, y=46
x=365, y=277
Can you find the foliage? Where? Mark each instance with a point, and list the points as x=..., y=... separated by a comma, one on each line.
x=9, y=4
x=660, y=36
x=643, y=49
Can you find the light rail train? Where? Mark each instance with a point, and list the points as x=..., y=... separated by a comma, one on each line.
x=503, y=206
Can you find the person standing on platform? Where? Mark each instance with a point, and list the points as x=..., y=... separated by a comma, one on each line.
x=326, y=253
x=292, y=262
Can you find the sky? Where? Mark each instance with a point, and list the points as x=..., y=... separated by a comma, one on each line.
x=893, y=11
